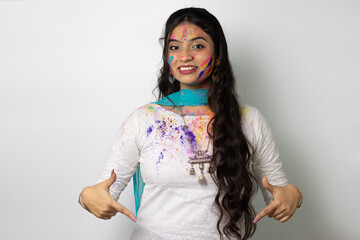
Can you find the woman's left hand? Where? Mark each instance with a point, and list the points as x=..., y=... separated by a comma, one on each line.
x=286, y=200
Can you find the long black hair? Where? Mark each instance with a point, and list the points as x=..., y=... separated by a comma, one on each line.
x=231, y=150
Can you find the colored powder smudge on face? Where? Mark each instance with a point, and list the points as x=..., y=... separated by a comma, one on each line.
x=185, y=33
x=205, y=62
x=208, y=71
x=208, y=67
x=200, y=74
x=171, y=58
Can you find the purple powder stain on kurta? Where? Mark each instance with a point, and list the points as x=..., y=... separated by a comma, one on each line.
x=149, y=130
x=159, y=161
x=182, y=139
x=162, y=127
x=190, y=137
x=161, y=157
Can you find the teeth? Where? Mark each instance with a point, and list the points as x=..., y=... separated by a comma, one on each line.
x=186, y=68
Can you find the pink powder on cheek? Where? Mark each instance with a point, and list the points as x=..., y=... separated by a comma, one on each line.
x=209, y=70
x=205, y=62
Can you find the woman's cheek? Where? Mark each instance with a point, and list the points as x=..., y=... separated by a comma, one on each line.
x=206, y=67
x=170, y=60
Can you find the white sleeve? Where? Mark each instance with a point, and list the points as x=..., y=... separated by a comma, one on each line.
x=266, y=159
x=123, y=157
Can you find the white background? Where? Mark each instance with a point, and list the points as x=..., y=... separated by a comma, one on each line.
x=71, y=72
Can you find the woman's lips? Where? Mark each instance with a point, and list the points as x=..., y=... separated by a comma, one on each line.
x=187, y=69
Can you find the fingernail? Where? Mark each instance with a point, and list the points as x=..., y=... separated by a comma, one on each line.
x=133, y=218
x=112, y=172
x=256, y=220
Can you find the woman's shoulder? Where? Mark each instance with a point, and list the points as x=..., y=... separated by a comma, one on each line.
x=146, y=112
x=140, y=117
x=253, y=122
x=249, y=113
x=147, y=109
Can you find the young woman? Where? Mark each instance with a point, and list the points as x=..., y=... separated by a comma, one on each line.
x=196, y=155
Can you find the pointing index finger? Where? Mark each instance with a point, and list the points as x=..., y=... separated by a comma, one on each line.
x=264, y=212
x=120, y=208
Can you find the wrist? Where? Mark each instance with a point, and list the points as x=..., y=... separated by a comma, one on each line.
x=301, y=198
x=297, y=192
x=81, y=202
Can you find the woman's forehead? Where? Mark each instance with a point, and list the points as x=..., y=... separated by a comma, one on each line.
x=187, y=30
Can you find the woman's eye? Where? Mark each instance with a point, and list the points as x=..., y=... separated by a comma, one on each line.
x=198, y=46
x=173, y=47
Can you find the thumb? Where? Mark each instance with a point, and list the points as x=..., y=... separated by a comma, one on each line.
x=108, y=182
x=266, y=184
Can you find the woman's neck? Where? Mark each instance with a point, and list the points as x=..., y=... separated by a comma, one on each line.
x=204, y=84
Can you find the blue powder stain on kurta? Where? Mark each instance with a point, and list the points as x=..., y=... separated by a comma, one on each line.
x=149, y=130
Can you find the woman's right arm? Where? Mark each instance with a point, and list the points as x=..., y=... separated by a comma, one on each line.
x=97, y=200
x=121, y=164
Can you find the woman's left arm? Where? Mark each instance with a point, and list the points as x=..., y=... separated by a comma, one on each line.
x=286, y=200
x=282, y=198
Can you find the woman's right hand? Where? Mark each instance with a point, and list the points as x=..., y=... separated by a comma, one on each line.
x=97, y=200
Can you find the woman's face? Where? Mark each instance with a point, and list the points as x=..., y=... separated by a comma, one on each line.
x=190, y=56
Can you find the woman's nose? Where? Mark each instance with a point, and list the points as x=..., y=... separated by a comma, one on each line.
x=186, y=55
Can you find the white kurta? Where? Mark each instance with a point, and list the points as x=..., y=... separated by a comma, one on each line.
x=174, y=205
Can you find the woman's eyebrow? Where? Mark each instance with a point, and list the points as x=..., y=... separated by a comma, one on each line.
x=193, y=39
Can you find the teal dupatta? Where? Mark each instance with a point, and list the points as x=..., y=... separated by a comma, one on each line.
x=184, y=97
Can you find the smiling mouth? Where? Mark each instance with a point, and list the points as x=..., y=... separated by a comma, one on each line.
x=187, y=68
